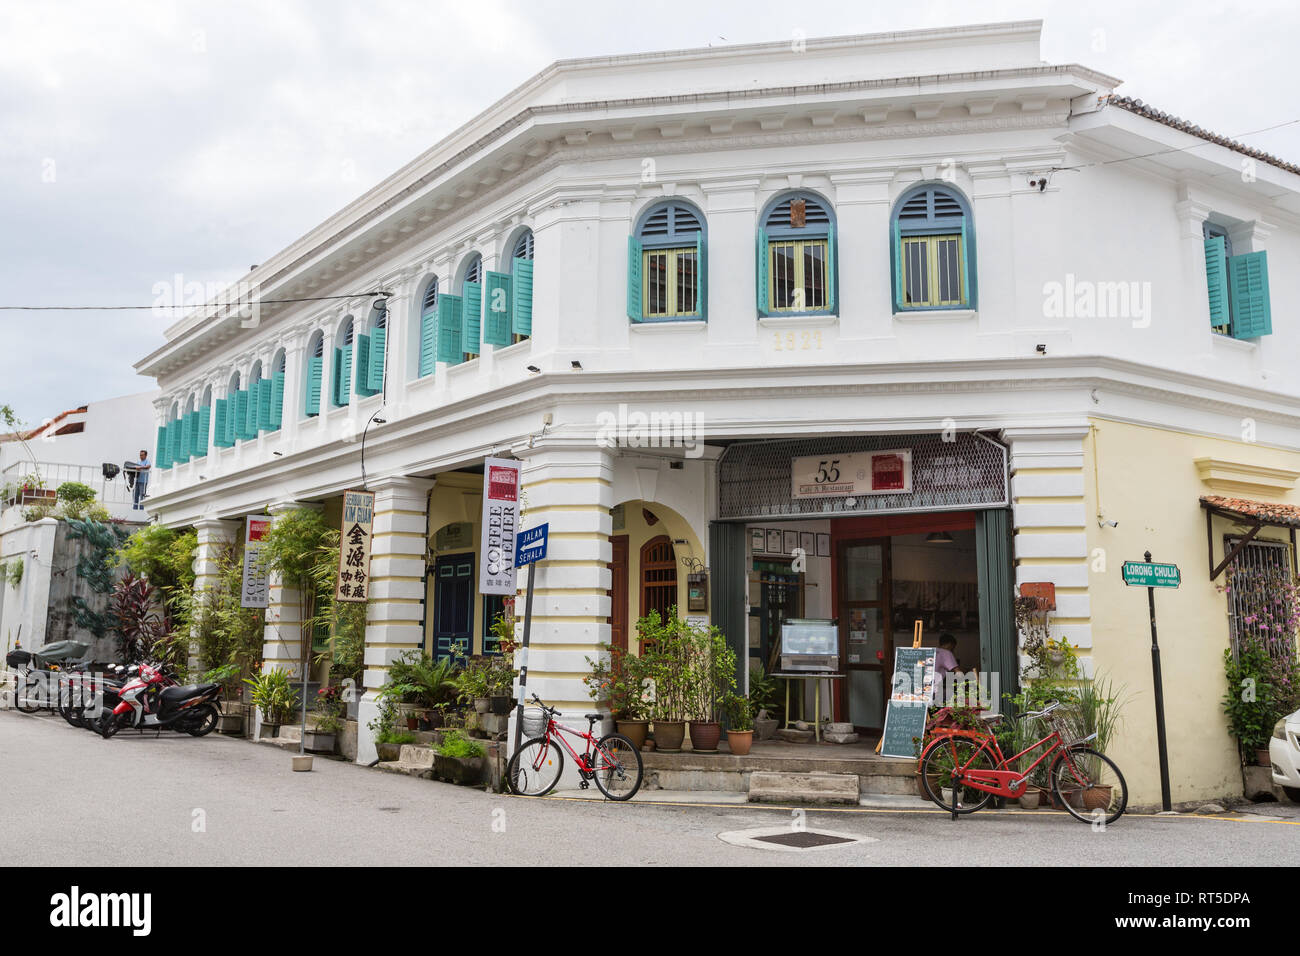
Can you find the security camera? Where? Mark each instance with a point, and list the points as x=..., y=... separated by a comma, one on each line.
x=1103, y=523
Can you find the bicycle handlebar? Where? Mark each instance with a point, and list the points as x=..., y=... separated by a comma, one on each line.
x=553, y=711
x=1051, y=706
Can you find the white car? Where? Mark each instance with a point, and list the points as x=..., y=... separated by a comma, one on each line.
x=1284, y=755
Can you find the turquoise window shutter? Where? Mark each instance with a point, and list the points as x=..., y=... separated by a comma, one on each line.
x=965, y=267
x=428, y=341
x=315, y=370
x=185, y=451
x=1248, y=295
x=264, y=405
x=701, y=277
x=345, y=376
x=161, y=458
x=473, y=307
x=277, y=401
x=335, y=391
x=898, y=268
x=219, y=417
x=205, y=429
x=241, y=415
x=250, y=412
x=520, y=296
x=1216, y=280
x=761, y=272
x=361, y=376
x=196, y=440
x=634, y=278
x=378, y=346
x=234, y=429
x=830, y=267
x=450, y=319
x=498, y=306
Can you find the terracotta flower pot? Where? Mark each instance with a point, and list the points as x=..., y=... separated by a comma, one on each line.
x=740, y=741
x=705, y=735
x=1096, y=798
x=1029, y=799
x=669, y=735
x=635, y=731
x=1263, y=759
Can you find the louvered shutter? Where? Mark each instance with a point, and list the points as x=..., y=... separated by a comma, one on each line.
x=186, y=445
x=345, y=375
x=277, y=401
x=634, y=278
x=1216, y=279
x=241, y=415
x=473, y=309
x=761, y=272
x=450, y=321
x=162, y=457
x=378, y=346
x=701, y=277
x=898, y=268
x=219, y=419
x=361, y=346
x=315, y=374
x=428, y=341
x=964, y=265
x=498, y=307
x=264, y=405
x=1248, y=295
x=521, y=298
x=830, y=267
x=205, y=430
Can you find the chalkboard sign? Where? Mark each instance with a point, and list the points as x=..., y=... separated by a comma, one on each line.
x=911, y=690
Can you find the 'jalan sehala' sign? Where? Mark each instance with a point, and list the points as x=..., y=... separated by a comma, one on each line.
x=253, y=590
x=355, y=546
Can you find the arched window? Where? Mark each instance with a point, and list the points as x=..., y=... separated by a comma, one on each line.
x=523, y=247
x=314, y=374
x=508, y=296
x=667, y=264
x=797, y=265
x=341, y=380
x=658, y=576
x=371, y=348
x=429, y=329
x=459, y=340
x=933, y=250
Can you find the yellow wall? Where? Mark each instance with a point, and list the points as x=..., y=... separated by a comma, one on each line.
x=1150, y=484
x=639, y=531
x=455, y=498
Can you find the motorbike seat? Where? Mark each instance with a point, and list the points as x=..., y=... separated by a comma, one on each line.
x=173, y=694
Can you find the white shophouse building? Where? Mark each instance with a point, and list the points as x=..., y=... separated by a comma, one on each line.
x=1031, y=320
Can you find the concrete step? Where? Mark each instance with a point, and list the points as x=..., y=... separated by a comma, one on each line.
x=415, y=761
x=782, y=787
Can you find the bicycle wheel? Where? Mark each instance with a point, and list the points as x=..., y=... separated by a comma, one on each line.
x=936, y=772
x=617, y=766
x=1089, y=785
x=535, y=768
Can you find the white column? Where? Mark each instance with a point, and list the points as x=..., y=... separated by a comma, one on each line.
x=215, y=536
x=282, y=639
x=396, y=610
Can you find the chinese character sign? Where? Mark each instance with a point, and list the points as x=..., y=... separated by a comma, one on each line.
x=253, y=589
x=500, y=521
x=354, y=546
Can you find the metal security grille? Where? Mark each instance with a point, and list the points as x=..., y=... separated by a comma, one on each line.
x=1257, y=566
x=754, y=480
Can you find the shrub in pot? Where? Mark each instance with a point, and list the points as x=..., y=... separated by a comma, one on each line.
x=616, y=681
x=664, y=658
x=274, y=696
x=710, y=681
x=459, y=759
x=740, y=724
x=330, y=708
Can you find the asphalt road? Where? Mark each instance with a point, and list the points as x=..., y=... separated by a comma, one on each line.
x=68, y=797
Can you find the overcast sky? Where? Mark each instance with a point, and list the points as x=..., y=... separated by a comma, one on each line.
x=141, y=140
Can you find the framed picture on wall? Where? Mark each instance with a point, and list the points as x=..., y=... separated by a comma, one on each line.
x=773, y=540
x=789, y=541
x=823, y=545
x=808, y=541
x=757, y=540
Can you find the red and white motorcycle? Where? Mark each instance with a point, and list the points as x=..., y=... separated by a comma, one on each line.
x=150, y=699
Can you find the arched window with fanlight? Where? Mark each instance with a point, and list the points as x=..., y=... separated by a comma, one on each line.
x=341, y=380
x=933, y=250
x=314, y=374
x=521, y=287
x=667, y=265
x=797, y=266
x=429, y=328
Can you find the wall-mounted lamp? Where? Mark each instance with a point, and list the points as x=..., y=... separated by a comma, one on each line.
x=533, y=369
x=576, y=365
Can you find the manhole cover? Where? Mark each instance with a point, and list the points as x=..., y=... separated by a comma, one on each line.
x=804, y=839
x=789, y=840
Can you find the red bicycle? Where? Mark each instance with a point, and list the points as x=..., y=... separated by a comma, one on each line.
x=613, y=761
x=1082, y=781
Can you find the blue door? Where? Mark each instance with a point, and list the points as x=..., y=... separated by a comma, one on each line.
x=453, y=604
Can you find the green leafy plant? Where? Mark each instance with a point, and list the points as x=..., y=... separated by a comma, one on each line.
x=163, y=556
x=762, y=689
x=227, y=675
x=330, y=709
x=140, y=630
x=740, y=712
x=75, y=498
x=617, y=680
x=12, y=571
x=1098, y=709
x=273, y=695
x=415, y=678
x=456, y=744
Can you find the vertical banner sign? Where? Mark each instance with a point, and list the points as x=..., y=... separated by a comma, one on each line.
x=253, y=591
x=500, y=523
x=355, y=546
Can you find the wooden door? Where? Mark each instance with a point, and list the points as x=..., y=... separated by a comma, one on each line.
x=866, y=635
x=618, y=592
x=453, y=596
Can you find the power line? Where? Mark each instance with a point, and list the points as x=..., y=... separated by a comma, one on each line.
x=126, y=308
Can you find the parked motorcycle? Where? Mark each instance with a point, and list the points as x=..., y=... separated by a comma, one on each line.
x=85, y=693
x=147, y=700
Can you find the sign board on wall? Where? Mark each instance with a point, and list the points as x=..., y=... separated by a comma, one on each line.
x=357, y=530
x=858, y=474
x=253, y=590
x=500, y=523
x=911, y=692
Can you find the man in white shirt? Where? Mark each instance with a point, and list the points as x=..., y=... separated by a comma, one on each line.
x=945, y=663
x=142, y=469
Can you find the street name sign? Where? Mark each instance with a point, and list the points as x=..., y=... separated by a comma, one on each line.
x=1145, y=574
x=530, y=546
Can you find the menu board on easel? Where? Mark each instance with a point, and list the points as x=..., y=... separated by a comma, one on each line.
x=911, y=691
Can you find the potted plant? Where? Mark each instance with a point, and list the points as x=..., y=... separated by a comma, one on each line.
x=388, y=740
x=711, y=679
x=231, y=720
x=740, y=724
x=501, y=680
x=459, y=759
x=330, y=708
x=473, y=684
x=274, y=696
x=615, y=681
x=664, y=654
x=763, y=702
